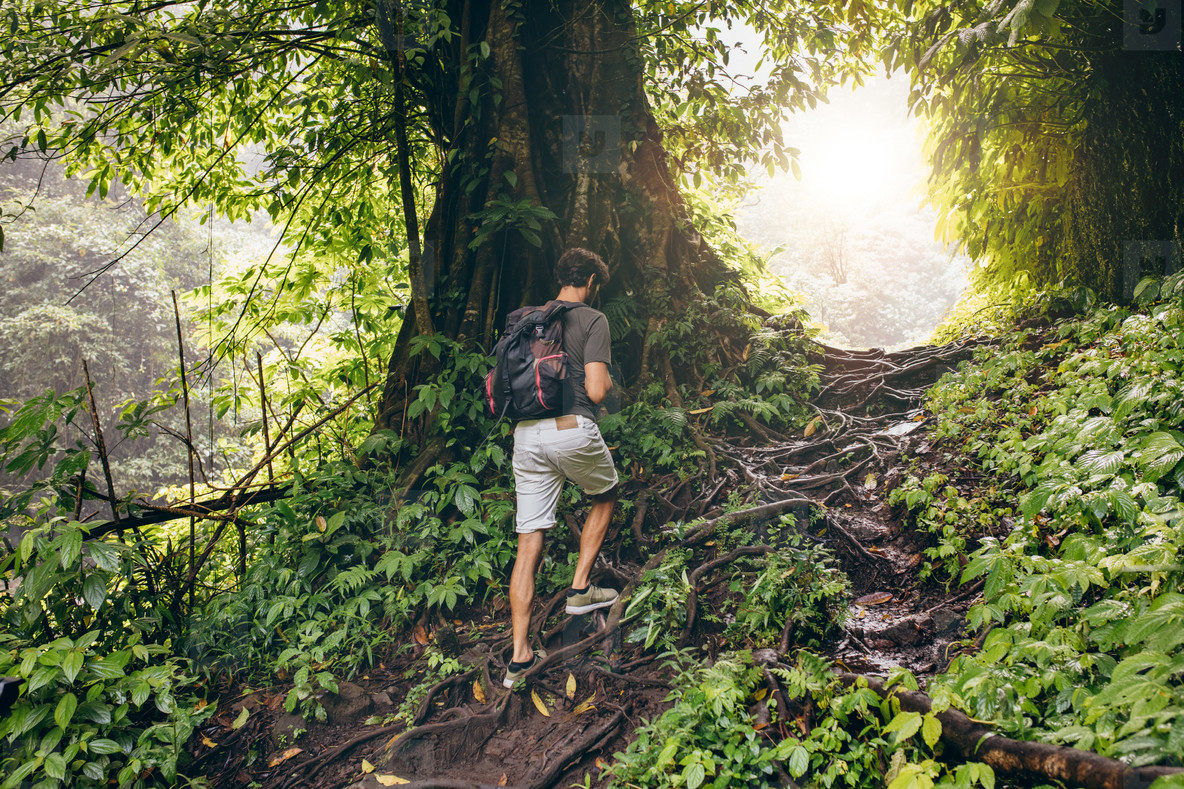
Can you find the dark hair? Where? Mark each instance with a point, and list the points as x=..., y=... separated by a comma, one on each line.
x=576, y=265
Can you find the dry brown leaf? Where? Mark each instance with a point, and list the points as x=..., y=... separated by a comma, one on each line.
x=390, y=780
x=761, y=725
x=874, y=598
x=812, y=428
x=788, y=477
x=538, y=703
x=478, y=691
x=276, y=761
x=390, y=743
x=708, y=393
x=420, y=635
x=601, y=764
x=919, y=418
x=367, y=767
x=504, y=780
x=870, y=483
x=571, y=685
x=202, y=704
x=321, y=524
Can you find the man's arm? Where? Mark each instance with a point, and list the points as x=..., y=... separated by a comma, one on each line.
x=597, y=381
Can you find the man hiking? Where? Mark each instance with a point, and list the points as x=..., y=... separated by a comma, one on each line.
x=548, y=452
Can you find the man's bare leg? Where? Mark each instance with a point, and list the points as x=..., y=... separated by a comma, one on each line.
x=595, y=528
x=530, y=548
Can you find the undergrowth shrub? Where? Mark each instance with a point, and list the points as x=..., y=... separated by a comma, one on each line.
x=723, y=730
x=798, y=582
x=1083, y=592
x=105, y=696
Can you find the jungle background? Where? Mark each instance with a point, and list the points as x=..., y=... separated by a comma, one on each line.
x=258, y=521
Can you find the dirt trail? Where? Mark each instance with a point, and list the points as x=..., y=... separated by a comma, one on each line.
x=471, y=733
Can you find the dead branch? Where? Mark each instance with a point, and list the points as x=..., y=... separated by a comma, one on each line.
x=102, y=446
x=204, y=510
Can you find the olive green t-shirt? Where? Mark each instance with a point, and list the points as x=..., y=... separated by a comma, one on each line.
x=585, y=339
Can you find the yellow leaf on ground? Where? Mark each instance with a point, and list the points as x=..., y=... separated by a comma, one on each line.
x=698, y=411
x=538, y=703
x=812, y=428
x=390, y=780
x=504, y=780
x=571, y=685
x=367, y=767
x=760, y=694
x=478, y=691
x=276, y=761
x=206, y=741
x=420, y=635
x=585, y=705
x=241, y=719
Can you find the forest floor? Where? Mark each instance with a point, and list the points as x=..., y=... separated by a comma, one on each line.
x=584, y=703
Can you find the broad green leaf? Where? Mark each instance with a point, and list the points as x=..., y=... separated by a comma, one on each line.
x=65, y=710
x=94, y=590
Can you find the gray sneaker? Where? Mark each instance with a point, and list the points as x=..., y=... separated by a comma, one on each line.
x=590, y=599
x=515, y=674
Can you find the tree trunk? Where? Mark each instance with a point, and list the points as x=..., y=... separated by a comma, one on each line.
x=540, y=105
x=1125, y=207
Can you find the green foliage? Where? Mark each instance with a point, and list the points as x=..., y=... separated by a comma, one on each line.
x=659, y=604
x=1081, y=422
x=711, y=735
x=708, y=737
x=953, y=518
x=798, y=583
x=89, y=714
x=1030, y=115
x=105, y=695
x=323, y=594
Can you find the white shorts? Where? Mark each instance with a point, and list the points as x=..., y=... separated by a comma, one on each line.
x=547, y=452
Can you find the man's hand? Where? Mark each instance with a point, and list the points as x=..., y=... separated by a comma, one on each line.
x=597, y=381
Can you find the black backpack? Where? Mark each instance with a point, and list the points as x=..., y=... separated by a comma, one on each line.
x=529, y=378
